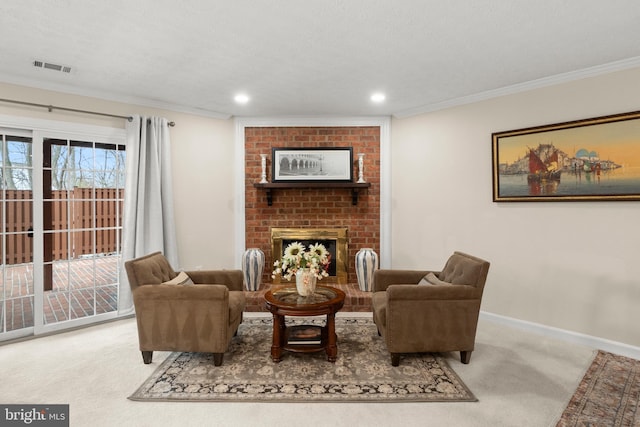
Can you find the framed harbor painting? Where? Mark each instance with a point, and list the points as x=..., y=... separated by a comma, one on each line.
x=312, y=164
x=596, y=159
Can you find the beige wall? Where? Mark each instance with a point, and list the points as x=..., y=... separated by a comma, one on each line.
x=203, y=159
x=574, y=266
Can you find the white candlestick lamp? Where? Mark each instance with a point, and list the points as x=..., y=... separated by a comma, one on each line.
x=361, y=168
x=263, y=179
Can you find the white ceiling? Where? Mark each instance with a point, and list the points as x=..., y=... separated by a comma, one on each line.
x=312, y=57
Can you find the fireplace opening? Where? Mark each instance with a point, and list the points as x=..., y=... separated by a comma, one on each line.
x=334, y=239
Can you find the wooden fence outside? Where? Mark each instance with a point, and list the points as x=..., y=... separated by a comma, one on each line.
x=72, y=223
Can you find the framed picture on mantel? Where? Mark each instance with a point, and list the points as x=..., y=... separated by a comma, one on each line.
x=312, y=164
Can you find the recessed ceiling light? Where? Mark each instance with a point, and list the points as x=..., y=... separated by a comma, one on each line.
x=241, y=98
x=377, y=97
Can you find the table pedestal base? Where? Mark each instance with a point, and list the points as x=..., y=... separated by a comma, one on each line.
x=328, y=341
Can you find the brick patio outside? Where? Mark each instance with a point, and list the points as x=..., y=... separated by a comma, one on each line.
x=73, y=295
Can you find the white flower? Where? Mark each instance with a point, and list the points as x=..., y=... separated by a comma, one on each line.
x=294, y=249
x=296, y=257
x=319, y=250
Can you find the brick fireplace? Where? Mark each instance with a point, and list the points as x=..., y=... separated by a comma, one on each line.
x=313, y=207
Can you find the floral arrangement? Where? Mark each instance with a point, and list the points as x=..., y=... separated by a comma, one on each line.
x=316, y=258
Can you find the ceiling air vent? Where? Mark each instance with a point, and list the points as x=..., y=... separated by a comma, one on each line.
x=50, y=66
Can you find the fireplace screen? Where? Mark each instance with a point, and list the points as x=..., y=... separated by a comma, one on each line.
x=334, y=239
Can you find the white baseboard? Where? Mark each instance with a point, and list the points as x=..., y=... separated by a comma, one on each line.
x=537, y=328
x=567, y=336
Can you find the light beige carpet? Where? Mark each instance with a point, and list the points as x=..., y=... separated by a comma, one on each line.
x=608, y=395
x=362, y=372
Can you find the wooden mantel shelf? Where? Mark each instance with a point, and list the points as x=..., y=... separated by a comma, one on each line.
x=354, y=186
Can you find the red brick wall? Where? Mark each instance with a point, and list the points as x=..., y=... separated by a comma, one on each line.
x=313, y=208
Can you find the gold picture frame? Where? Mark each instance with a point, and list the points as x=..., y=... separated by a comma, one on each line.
x=595, y=159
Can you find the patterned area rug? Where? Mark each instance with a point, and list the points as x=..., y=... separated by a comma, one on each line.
x=608, y=395
x=362, y=372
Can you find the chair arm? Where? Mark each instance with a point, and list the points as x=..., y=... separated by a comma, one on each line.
x=383, y=278
x=147, y=293
x=232, y=279
x=432, y=292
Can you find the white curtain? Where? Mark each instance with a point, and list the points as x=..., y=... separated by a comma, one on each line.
x=149, y=223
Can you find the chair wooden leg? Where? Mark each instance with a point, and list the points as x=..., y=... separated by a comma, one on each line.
x=147, y=356
x=217, y=359
x=395, y=359
x=465, y=357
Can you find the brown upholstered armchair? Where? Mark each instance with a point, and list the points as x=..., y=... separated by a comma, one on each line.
x=430, y=311
x=202, y=316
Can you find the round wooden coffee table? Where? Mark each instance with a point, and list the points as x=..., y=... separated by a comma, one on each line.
x=285, y=301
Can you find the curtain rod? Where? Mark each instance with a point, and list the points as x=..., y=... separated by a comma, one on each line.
x=53, y=107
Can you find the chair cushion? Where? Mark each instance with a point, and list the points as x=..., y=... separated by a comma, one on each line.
x=461, y=271
x=151, y=269
x=181, y=279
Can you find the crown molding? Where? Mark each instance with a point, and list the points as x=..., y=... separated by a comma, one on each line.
x=455, y=102
x=597, y=70
x=108, y=96
x=293, y=121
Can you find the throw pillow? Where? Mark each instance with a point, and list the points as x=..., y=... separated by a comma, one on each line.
x=431, y=279
x=181, y=279
x=424, y=281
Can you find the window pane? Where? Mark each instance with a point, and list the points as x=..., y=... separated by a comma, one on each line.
x=63, y=180
x=19, y=313
x=60, y=245
x=19, y=248
x=81, y=303
x=18, y=178
x=59, y=157
x=106, y=268
x=19, y=152
x=56, y=307
x=82, y=243
x=82, y=273
x=105, y=159
x=120, y=180
x=18, y=227
x=59, y=211
x=60, y=275
x=84, y=178
x=106, y=299
x=19, y=280
x=81, y=155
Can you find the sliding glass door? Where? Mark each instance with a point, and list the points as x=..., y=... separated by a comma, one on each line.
x=16, y=237
x=61, y=203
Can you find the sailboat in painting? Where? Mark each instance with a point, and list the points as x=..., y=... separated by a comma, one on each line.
x=543, y=170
